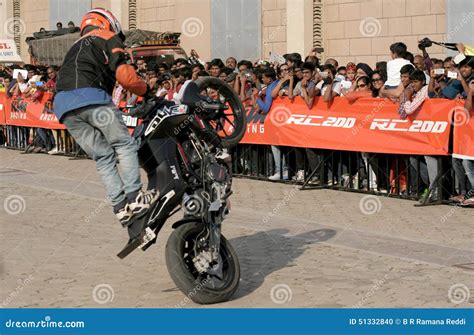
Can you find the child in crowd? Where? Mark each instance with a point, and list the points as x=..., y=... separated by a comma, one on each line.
x=398, y=51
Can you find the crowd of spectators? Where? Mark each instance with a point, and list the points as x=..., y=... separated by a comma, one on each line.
x=60, y=30
x=406, y=79
x=38, y=81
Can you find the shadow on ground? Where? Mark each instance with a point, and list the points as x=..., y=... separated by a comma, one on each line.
x=262, y=253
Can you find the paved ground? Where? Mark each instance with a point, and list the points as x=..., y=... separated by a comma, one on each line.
x=317, y=248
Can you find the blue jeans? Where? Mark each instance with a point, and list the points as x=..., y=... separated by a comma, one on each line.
x=46, y=137
x=469, y=168
x=428, y=169
x=102, y=134
x=277, y=157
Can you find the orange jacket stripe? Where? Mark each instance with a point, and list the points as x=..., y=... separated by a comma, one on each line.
x=114, y=50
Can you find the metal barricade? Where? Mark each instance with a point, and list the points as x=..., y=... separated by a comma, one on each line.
x=26, y=139
x=407, y=177
x=401, y=176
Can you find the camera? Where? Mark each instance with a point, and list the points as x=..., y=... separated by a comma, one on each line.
x=193, y=60
x=248, y=75
x=339, y=78
x=424, y=43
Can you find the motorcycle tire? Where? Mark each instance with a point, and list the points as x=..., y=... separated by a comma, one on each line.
x=236, y=107
x=186, y=277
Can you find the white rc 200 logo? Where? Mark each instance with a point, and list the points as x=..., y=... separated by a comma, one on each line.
x=331, y=121
x=417, y=126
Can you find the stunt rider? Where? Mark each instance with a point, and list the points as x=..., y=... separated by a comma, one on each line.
x=84, y=105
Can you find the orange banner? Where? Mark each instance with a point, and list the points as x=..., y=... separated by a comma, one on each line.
x=2, y=108
x=24, y=112
x=20, y=111
x=463, y=134
x=368, y=125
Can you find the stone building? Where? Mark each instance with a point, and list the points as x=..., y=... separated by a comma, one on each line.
x=348, y=30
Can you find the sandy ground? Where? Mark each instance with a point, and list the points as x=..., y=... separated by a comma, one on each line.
x=317, y=248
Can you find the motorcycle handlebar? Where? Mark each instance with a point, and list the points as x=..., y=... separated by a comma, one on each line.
x=142, y=109
x=211, y=106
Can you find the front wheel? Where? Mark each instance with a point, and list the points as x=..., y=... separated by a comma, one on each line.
x=187, y=243
x=230, y=124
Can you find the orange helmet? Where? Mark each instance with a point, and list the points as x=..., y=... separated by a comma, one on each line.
x=102, y=19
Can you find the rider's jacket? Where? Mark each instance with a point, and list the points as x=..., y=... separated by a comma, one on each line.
x=89, y=71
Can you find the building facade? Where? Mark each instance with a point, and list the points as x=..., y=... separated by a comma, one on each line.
x=348, y=30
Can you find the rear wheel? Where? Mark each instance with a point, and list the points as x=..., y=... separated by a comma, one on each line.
x=183, y=245
x=231, y=123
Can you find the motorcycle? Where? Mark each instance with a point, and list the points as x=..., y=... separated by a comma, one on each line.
x=182, y=148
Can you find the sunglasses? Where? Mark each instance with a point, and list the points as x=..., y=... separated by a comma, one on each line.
x=361, y=85
x=376, y=79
